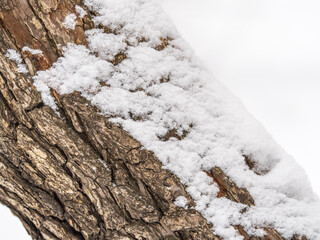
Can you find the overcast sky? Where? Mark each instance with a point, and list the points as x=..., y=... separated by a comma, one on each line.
x=268, y=54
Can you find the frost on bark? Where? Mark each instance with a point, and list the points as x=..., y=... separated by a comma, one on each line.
x=78, y=176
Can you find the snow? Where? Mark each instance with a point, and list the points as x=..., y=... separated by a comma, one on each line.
x=103, y=163
x=134, y=18
x=47, y=98
x=181, y=201
x=32, y=51
x=152, y=92
x=81, y=11
x=78, y=66
x=15, y=56
x=113, y=44
x=70, y=21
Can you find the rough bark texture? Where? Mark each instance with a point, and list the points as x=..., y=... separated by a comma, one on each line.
x=78, y=176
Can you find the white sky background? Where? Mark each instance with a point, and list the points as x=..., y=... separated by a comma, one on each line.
x=267, y=52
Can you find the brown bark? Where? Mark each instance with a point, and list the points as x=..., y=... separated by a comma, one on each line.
x=78, y=176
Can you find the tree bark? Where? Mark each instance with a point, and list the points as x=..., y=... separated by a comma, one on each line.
x=78, y=176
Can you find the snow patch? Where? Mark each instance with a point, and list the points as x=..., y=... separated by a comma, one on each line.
x=103, y=163
x=70, y=21
x=137, y=20
x=32, y=51
x=15, y=56
x=181, y=201
x=82, y=70
x=107, y=45
x=47, y=99
x=80, y=11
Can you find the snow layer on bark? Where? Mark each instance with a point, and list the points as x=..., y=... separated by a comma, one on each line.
x=70, y=21
x=113, y=44
x=80, y=11
x=181, y=202
x=16, y=57
x=152, y=92
x=32, y=51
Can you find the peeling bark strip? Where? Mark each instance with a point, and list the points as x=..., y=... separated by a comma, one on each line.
x=229, y=189
x=78, y=176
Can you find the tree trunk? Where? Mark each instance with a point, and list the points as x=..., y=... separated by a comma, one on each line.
x=78, y=176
